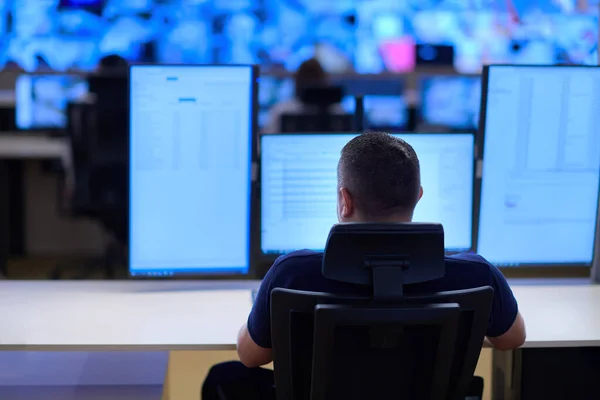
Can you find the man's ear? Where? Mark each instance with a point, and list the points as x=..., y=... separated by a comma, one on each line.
x=347, y=204
x=420, y=193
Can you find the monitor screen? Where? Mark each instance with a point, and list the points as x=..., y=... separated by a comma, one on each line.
x=370, y=85
x=366, y=36
x=381, y=111
x=451, y=101
x=541, y=162
x=41, y=100
x=190, y=169
x=299, y=182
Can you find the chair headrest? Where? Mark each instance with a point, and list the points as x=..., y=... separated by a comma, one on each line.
x=354, y=250
x=321, y=95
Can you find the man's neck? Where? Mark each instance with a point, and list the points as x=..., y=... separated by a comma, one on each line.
x=397, y=219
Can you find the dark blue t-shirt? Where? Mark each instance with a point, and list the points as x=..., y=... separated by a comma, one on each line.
x=301, y=270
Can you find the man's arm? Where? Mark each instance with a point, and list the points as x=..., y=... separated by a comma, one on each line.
x=251, y=354
x=507, y=327
x=513, y=338
x=254, y=337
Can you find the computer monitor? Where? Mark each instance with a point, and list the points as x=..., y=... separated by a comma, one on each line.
x=370, y=85
x=41, y=100
x=541, y=163
x=383, y=112
x=190, y=169
x=451, y=101
x=299, y=182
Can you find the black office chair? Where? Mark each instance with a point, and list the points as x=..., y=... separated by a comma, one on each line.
x=97, y=134
x=318, y=118
x=386, y=345
x=7, y=119
x=317, y=123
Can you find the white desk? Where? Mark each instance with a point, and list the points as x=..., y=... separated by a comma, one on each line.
x=126, y=315
x=561, y=357
x=62, y=334
x=184, y=315
x=563, y=324
x=560, y=316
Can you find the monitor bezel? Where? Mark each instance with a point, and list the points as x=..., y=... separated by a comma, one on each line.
x=266, y=259
x=568, y=268
x=47, y=129
x=209, y=274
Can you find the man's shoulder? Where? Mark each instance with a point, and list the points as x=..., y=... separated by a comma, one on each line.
x=468, y=260
x=466, y=270
x=300, y=257
x=295, y=269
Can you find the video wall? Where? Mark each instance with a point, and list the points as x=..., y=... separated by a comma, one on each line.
x=365, y=36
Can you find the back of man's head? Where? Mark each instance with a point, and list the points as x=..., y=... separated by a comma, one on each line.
x=309, y=73
x=381, y=176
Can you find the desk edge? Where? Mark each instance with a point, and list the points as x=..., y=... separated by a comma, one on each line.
x=117, y=347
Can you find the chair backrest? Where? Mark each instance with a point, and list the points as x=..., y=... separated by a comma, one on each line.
x=100, y=164
x=7, y=118
x=385, y=256
x=321, y=96
x=418, y=347
x=111, y=89
x=318, y=115
x=317, y=123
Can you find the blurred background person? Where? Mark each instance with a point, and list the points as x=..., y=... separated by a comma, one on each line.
x=310, y=73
